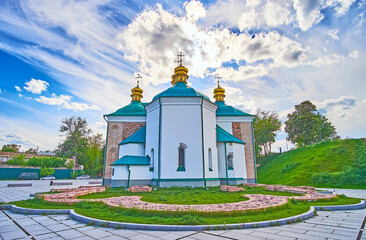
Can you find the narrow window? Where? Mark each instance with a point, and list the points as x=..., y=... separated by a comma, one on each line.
x=210, y=159
x=152, y=160
x=181, y=157
x=230, y=158
x=112, y=171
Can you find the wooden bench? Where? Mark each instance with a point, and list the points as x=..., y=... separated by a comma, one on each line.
x=19, y=184
x=52, y=183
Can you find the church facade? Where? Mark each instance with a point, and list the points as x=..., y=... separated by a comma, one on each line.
x=180, y=138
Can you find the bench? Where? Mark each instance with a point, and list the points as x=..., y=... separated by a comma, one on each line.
x=19, y=184
x=52, y=183
x=95, y=182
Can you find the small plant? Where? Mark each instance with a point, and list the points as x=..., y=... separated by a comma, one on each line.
x=91, y=223
x=118, y=226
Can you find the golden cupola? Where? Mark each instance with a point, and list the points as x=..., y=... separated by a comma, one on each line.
x=219, y=93
x=136, y=93
x=180, y=72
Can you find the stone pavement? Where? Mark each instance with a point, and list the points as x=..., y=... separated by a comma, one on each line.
x=10, y=194
x=327, y=225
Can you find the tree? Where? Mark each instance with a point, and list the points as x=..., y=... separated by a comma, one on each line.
x=46, y=171
x=32, y=150
x=265, y=127
x=305, y=126
x=10, y=148
x=76, y=133
x=94, y=164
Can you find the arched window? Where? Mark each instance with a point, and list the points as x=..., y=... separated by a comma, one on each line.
x=230, y=158
x=181, y=157
x=112, y=171
x=210, y=160
x=152, y=160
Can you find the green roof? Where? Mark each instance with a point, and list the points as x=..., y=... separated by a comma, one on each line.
x=137, y=137
x=226, y=110
x=223, y=136
x=132, y=160
x=180, y=89
x=135, y=108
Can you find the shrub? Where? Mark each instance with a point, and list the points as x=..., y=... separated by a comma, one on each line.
x=17, y=160
x=46, y=171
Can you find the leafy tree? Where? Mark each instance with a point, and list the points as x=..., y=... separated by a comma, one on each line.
x=46, y=171
x=18, y=160
x=305, y=126
x=76, y=133
x=10, y=148
x=32, y=150
x=94, y=164
x=265, y=128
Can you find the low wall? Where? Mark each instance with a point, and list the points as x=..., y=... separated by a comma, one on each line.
x=13, y=173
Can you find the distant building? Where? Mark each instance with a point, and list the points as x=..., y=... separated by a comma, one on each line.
x=180, y=138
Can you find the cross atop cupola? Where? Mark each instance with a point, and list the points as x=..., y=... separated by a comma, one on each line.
x=180, y=72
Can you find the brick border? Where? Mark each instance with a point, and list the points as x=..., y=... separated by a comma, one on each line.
x=136, y=226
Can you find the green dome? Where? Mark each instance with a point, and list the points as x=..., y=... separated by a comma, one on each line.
x=180, y=89
x=135, y=108
x=226, y=110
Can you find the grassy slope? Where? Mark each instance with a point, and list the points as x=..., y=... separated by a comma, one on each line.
x=296, y=167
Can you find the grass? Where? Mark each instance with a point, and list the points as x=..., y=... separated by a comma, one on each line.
x=335, y=164
x=178, y=195
x=101, y=211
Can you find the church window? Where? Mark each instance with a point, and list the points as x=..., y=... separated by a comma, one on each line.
x=112, y=171
x=152, y=160
x=210, y=159
x=230, y=158
x=181, y=157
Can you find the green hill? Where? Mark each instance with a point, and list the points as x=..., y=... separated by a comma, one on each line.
x=340, y=163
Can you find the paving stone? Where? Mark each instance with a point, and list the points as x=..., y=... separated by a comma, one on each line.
x=13, y=235
x=70, y=234
x=97, y=233
x=270, y=236
x=205, y=236
x=9, y=228
x=171, y=236
x=346, y=233
x=143, y=237
x=58, y=227
x=85, y=228
x=113, y=237
x=124, y=233
x=153, y=233
x=46, y=236
x=238, y=235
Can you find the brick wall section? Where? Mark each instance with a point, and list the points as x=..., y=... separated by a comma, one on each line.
x=117, y=132
x=243, y=131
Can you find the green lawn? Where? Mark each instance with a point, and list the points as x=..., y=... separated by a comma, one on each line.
x=177, y=195
x=101, y=211
x=339, y=164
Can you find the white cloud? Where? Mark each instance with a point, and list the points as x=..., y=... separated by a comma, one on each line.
x=194, y=10
x=308, y=13
x=18, y=88
x=354, y=54
x=20, y=95
x=36, y=86
x=333, y=33
x=7, y=137
x=63, y=101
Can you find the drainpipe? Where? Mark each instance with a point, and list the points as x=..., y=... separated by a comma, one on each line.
x=129, y=175
x=105, y=151
x=159, y=152
x=227, y=175
x=203, y=146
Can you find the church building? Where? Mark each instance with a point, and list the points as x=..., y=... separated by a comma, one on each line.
x=180, y=138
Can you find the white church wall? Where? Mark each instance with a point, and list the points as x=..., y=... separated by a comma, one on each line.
x=152, y=134
x=221, y=159
x=119, y=173
x=238, y=161
x=134, y=149
x=209, y=131
x=140, y=172
x=181, y=123
x=226, y=125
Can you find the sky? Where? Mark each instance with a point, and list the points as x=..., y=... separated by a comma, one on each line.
x=79, y=58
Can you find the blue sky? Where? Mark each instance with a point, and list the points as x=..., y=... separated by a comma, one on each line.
x=78, y=58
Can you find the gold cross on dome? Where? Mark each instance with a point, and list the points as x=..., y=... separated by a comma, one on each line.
x=138, y=77
x=218, y=78
x=180, y=58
